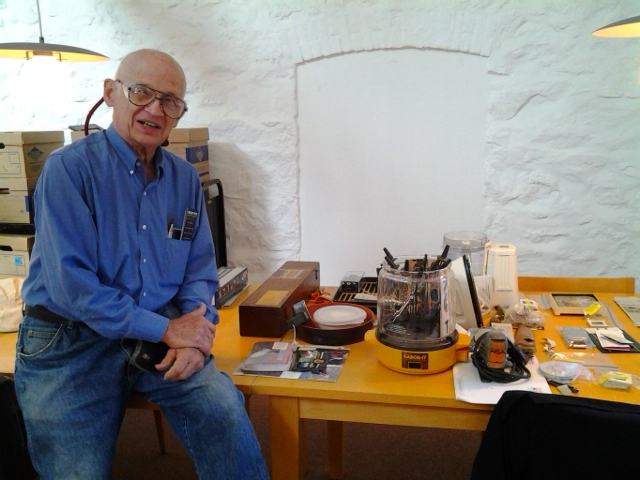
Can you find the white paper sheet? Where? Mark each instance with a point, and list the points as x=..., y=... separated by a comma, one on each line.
x=469, y=388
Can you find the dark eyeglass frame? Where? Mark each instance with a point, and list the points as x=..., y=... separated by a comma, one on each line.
x=161, y=96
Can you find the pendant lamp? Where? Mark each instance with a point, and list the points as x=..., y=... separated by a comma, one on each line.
x=59, y=52
x=624, y=28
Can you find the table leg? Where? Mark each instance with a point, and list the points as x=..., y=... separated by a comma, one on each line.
x=247, y=403
x=285, y=435
x=335, y=449
x=157, y=416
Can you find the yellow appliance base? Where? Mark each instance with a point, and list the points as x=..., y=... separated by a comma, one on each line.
x=419, y=362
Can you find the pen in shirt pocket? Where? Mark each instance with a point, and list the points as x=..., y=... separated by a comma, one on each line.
x=174, y=233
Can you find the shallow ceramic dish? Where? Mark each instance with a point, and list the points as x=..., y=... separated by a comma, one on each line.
x=333, y=316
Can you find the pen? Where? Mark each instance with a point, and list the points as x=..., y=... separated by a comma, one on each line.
x=390, y=258
x=170, y=233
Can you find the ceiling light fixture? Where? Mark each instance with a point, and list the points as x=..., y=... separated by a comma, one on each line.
x=59, y=52
x=624, y=28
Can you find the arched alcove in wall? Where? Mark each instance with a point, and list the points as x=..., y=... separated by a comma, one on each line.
x=387, y=140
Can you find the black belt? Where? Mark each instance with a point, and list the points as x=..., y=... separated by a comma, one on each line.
x=43, y=313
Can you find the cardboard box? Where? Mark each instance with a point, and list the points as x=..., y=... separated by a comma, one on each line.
x=15, y=251
x=203, y=170
x=190, y=144
x=14, y=264
x=13, y=242
x=204, y=178
x=16, y=207
x=202, y=167
x=76, y=134
x=26, y=184
x=193, y=153
x=198, y=135
x=22, y=154
x=265, y=312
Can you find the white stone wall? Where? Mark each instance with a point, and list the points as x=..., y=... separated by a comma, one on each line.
x=562, y=171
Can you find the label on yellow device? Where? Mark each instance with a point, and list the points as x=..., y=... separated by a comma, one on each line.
x=415, y=360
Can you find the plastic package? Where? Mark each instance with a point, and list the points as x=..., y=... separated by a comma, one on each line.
x=616, y=379
x=519, y=314
x=586, y=358
x=576, y=337
x=596, y=316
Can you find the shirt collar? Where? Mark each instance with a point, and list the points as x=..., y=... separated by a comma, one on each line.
x=128, y=156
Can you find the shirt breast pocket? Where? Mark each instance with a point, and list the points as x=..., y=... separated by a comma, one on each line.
x=176, y=255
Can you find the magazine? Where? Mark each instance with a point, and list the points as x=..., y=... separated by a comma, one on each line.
x=305, y=362
x=269, y=357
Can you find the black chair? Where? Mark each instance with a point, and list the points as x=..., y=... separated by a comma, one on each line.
x=532, y=436
x=214, y=201
x=15, y=463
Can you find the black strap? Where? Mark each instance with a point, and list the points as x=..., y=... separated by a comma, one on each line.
x=43, y=313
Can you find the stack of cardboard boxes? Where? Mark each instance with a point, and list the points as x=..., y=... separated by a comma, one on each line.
x=22, y=155
x=192, y=145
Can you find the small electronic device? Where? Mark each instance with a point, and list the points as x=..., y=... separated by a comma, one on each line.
x=188, y=224
x=300, y=314
x=147, y=355
x=497, y=358
x=352, y=282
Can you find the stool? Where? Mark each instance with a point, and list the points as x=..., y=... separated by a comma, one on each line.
x=137, y=401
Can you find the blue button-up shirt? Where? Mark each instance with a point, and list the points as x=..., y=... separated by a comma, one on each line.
x=102, y=254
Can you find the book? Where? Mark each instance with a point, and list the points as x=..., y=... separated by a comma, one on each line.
x=267, y=356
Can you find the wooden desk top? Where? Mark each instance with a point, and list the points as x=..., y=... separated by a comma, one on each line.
x=365, y=379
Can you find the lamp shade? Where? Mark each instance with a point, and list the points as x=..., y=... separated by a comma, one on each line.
x=41, y=49
x=624, y=28
x=59, y=52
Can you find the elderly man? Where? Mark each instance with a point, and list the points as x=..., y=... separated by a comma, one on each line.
x=114, y=270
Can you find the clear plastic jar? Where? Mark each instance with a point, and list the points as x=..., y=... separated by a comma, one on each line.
x=416, y=308
x=467, y=243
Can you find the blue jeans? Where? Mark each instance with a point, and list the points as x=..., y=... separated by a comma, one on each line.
x=72, y=386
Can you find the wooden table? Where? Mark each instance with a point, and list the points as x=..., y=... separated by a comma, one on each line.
x=366, y=391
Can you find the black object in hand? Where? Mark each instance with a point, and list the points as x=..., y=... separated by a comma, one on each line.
x=147, y=354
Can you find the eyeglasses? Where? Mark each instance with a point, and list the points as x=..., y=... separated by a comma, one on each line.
x=141, y=95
